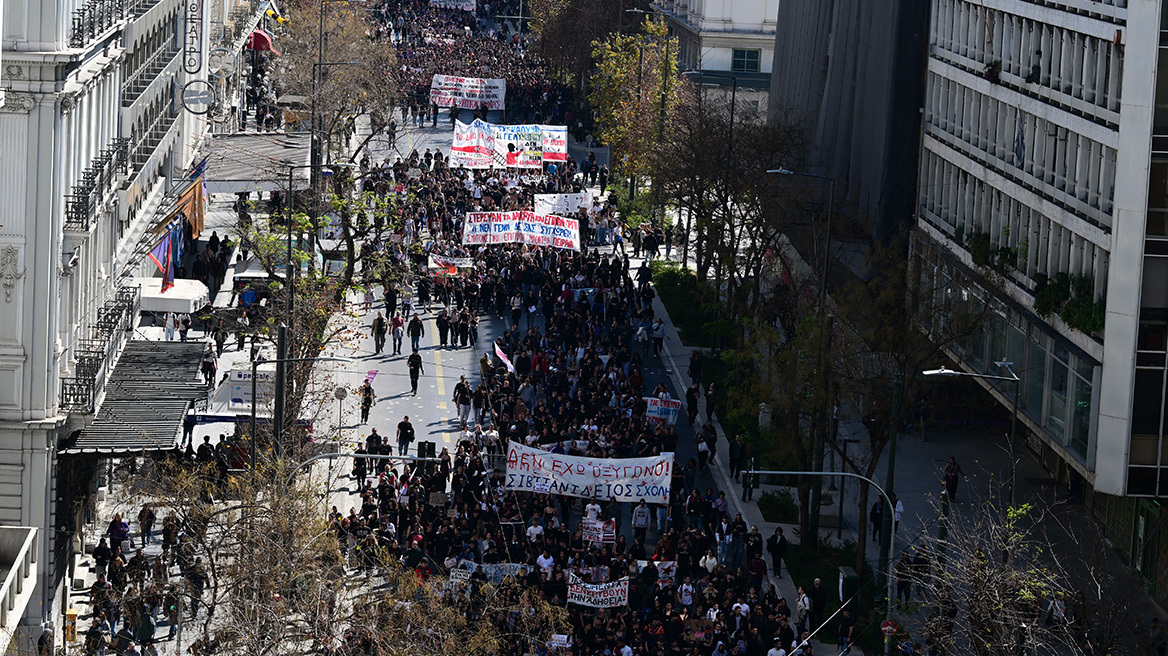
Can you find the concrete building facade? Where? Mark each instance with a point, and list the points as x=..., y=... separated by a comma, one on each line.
x=93, y=136
x=1043, y=191
x=726, y=39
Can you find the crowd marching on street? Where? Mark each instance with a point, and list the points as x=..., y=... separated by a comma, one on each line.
x=567, y=375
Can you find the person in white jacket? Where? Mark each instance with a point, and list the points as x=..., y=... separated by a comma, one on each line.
x=802, y=611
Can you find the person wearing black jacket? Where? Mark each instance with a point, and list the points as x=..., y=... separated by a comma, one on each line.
x=776, y=546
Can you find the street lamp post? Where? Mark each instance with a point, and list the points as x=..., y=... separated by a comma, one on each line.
x=279, y=393
x=817, y=454
x=1013, y=378
x=889, y=587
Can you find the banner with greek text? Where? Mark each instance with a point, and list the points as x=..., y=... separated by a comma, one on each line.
x=665, y=410
x=555, y=142
x=474, y=145
x=604, y=595
x=467, y=92
x=623, y=479
x=482, y=145
x=496, y=572
x=521, y=227
x=463, y=5
x=565, y=204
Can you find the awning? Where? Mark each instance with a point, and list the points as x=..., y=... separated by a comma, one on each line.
x=261, y=40
x=247, y=162
x=146, y=399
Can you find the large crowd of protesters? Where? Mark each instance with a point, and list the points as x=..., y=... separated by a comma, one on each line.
x=580, y=336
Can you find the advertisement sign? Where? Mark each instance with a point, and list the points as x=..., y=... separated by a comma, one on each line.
x=623, y=479
x=604, y=595
x=467, y=92
x=665, y=410
x=474, y=145
x=521, y=227
x=241, y=386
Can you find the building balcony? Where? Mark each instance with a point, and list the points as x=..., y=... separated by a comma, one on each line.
x=98, y=181
x=93, y=19
x=95, y=354
x=18, y=566
x=147, y=73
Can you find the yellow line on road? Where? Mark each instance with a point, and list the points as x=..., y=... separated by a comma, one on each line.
x=438, y=366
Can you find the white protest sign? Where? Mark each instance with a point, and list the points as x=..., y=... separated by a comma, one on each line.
x=560, y=641
x=555, y=142
x=604, y=595
x=518, y=146
x=625, y=479
x=562, y=203
x=467, y=92
x=474, y=145
x=665, y=410
x=459, y=575
x=464, y=5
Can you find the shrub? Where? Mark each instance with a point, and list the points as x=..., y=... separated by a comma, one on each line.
x=778, y=506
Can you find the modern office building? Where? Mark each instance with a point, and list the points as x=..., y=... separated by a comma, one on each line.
x=1043, y=191
x=727, y=40
x=94, y=139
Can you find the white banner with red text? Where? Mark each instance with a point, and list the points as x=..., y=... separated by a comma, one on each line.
x=565, y=204
x=521, y=227
x=467, y=92
x=603, y=595
x=623, y=479
x=474, y=145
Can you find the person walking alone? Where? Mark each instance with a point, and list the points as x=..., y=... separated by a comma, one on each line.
x=414, y=362
x=405, y=435
x=378, y=329
x=397, y=328
x=415, y=330
x=368, y=400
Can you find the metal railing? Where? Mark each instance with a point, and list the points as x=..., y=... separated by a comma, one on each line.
x=151, y=137
x=96, y=181
x=138, y=81
x=93, y=19
x=95, y=354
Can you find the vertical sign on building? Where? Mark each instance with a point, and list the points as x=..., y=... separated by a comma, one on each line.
x=193, y=37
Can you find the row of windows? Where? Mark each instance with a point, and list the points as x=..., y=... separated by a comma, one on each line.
x=1082, y=67
x=1057, y=383
x=1067, y=167
x=958, y=203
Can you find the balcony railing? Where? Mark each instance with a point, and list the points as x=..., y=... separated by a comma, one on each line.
x=140, y=80
x=18, y=555
x=95, y=354
x=93, y=19
x=96, y=181
x=151, y=137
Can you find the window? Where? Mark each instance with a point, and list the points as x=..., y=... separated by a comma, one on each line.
x=745, y=61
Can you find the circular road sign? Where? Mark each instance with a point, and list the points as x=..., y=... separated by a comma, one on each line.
x=888, y=628
x=340, y=393
x=221, y=62
x=198, y=96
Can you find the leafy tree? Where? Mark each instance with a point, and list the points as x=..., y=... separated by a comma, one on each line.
x=635, y=87
x=355, y=77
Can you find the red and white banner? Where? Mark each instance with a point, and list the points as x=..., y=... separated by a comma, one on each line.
x=503, y=356
x=665, y=410
x=604, y=595
x=467, y=92
x=521, y=227
x=555, y=142
x=623, y=479
x=474, y=145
